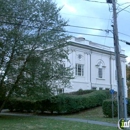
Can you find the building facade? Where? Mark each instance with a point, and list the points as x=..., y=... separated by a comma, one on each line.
x=93, y=66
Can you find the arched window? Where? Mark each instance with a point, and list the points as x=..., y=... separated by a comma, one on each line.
x=100, y=68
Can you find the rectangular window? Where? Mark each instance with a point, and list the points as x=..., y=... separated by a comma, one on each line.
x=94, y=88
x=79, y=70
x=60, y=90
x=62, y=69
x=100, y=88
x=115, y=75
x=100, y=73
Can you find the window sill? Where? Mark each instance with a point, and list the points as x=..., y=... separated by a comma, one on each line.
x=100, y=78
x=79, y=76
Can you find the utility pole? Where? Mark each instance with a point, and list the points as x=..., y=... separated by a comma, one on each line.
x=118, y=65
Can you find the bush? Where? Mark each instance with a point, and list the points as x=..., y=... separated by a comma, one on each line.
x=1, y=102
x=20, y=105
x=81, y=92
x=73, y=103
x=107, y=108
x=63, y=103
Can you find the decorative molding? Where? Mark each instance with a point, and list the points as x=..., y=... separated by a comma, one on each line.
x=95, y=49
x=100, y=78
x=123, y=60
x=112, y=57
x=88, y=52
x=72, y=50
x=80, y=56
x=100, y=63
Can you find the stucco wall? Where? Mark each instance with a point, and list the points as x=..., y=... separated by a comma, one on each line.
x=90, y=59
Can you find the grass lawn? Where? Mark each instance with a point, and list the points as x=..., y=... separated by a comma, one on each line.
x=33, y=123
x=93, y=114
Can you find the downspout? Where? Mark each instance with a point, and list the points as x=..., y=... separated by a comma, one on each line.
x=110, y=74
x=90, y=73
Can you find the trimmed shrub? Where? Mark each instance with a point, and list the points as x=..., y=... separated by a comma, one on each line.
x=81, y=92
x=63, y=103
x=20, y=105
x=1, y=102
x=128, y=106
x=107, y=108
x=73, y=103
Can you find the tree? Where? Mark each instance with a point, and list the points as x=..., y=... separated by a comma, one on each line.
x=32, y=49
x=128, y=74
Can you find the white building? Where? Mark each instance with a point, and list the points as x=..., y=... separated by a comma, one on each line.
x=94, y=65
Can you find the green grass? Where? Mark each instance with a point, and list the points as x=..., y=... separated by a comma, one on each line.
x=33, y=123
x=94, y=114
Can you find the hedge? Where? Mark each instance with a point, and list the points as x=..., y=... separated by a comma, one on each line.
x=61, y=103
x=73, y=103
x=20, y=105
x=81, y=92
x=107, y=107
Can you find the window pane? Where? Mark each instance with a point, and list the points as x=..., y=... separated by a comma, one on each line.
x=76, y=69
x=94, y=88
x=115, y=75
x=79, y=70
x=100, y=72
x=82, y=70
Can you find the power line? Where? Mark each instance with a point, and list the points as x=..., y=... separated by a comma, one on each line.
x=88, y=34
x=86, y=16
x=123, y=3
x=123, y=9
x=58, y=30
x=96, y=1
x=105, y=30
x=124, y=34
x=86, y=27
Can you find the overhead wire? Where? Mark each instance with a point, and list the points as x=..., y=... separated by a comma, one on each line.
x=85, y=16
x=57, y=30
x=86, y=27
x=71, y=31
x=107, y=32
x=104, y=30
x=95, y=1
x=122, y=8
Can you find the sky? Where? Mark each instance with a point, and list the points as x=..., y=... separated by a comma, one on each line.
x=98, y=16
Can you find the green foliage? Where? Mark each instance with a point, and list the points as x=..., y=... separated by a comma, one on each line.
x=62, y=103
x=107, y=107
x=128, y=78
x=81, y=92
x=32, y=49
x=20, y=105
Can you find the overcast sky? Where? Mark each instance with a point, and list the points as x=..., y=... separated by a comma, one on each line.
x=97, y=15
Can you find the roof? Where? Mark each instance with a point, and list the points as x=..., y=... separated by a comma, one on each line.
x=85, y=44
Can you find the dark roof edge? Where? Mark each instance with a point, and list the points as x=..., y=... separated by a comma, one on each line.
x=94, y=48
